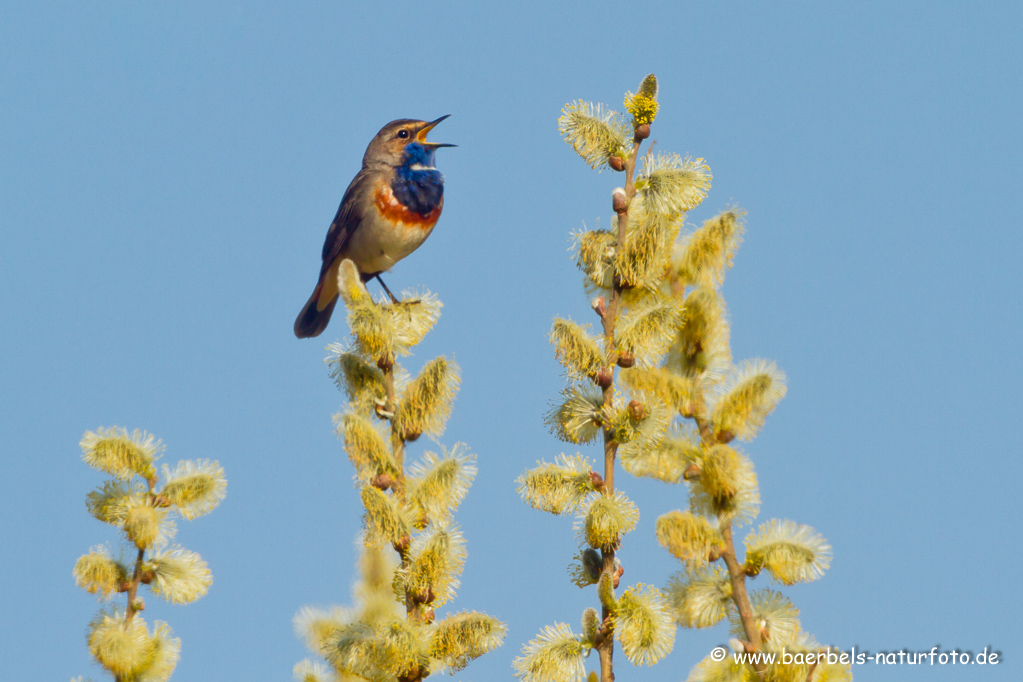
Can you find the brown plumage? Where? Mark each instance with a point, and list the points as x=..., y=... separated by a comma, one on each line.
x=388, y=210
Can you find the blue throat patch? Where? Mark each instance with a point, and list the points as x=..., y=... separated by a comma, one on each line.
x=418, y=190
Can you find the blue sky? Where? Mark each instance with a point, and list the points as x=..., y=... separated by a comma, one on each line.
x=167, y=174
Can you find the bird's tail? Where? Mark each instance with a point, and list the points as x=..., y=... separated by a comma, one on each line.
x=313, y=319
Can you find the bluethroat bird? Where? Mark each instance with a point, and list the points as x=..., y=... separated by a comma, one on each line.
x=389, y=209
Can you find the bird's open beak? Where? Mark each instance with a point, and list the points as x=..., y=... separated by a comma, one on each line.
x=421, y=135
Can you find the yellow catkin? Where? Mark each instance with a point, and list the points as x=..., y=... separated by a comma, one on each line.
x=750, y=394
x=462, y=637
x=195, y=487
x=560, y=487
x=594, y=132
x=607, y=519
x=595, y=256
x=119, y=453
x=385, y=519
x=700, y=598
x=643, y=625
x=576, y=349
x=701, y=347
x=705, y=255
x=97, y=573
x=688, y=537
x=427, y=401
x=365, y=447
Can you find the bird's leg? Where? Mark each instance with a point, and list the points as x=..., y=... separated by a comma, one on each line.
x=393, y=299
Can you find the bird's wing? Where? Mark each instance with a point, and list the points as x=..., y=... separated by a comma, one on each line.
x=348, y=217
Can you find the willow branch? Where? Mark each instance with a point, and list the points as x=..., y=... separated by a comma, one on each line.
x=736, y=572
x=737, y=575
x=412, y=607
x=605, y=648
x=136, y=575
x=133, y=587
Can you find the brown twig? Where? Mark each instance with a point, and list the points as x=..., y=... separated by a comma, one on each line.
x=813, y=666
x=605, y=648
x=136, y=575
x=413, y=605
x=133, y=587
x=736, y=571
x=737, y=575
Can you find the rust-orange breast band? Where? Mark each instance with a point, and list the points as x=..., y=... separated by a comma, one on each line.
x=392, y=209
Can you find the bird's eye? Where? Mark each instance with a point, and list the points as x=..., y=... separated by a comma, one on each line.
x=403, y=134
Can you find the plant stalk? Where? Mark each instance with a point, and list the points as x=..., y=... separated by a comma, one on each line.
x=605, y=649
x=413, y=611
x=736, y=572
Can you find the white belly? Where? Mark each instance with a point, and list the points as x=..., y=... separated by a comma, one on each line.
x=378, y=243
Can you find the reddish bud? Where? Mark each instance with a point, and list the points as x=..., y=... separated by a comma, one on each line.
x=604, y=377
x=617, y=163
x=619, y=572
x=637, y=412
x=724, y=436
x=626, y=359
x=402, y=545
x=412, y=435
x=599, y=305
x=643, y=131
x=385, y=362
x=597, y=480
x=692, y=471
x=382, y=481
x=619, y=202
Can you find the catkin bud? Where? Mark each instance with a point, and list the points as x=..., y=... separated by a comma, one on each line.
x=616, y=163
x=637, y=412
x=599, y=305
x=382, y=481
x=619, y=202
x=604, y=377
x=626, y=359
x=402, y=545
x=597, y=480
x=724, y=436
x=643, y=131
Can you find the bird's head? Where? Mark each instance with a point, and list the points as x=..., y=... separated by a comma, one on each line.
x=403, y=141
